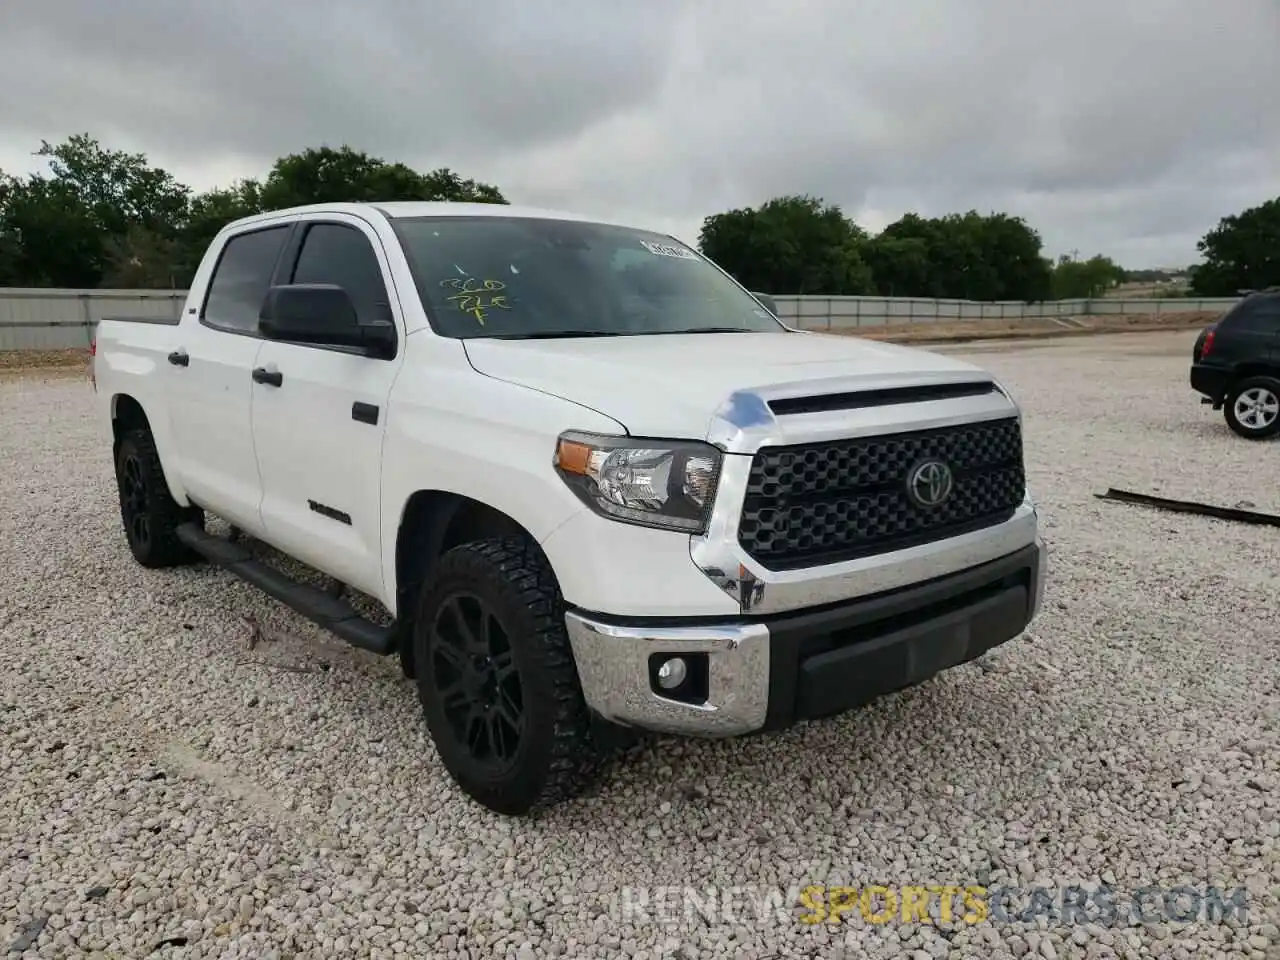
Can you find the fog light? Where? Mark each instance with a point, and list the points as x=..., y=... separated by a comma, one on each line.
x=672, y=673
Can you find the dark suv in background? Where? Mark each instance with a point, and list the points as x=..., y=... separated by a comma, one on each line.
x=1236, y=365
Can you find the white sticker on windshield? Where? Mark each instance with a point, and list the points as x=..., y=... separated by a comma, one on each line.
x=669, y=250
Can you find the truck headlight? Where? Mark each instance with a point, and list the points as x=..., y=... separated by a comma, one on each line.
x=670, y=484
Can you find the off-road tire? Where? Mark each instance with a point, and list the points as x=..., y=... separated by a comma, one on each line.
x=555, y=758
x=1269, y=384
x=155, y=543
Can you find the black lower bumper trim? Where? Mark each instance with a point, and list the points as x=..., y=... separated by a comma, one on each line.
x=843, y=657
x=1210, y=381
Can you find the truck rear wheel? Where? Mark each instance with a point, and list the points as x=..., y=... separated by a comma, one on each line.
x=497, y=679
x=150, y=515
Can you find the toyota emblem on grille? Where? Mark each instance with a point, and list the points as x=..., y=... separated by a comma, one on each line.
x=929, y=483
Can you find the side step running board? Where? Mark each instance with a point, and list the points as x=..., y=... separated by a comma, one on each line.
x=318, y=606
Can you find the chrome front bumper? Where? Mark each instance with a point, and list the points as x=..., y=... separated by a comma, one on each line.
x=760, y=675
x=613, y=665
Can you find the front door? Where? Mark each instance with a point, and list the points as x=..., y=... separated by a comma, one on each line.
x=318, y=428
x=210, y=370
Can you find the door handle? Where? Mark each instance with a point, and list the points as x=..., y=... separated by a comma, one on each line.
x=179, y=358
x=272, y=378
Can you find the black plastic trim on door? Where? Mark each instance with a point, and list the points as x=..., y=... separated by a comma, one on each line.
x=333, y=513
x=364, y=412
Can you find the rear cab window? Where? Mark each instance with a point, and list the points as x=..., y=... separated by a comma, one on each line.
x=241, y=278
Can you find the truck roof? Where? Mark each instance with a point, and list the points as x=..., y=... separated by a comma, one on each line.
x=400, y=209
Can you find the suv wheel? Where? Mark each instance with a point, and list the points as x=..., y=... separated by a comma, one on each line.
x=497, y=680
x=1252, y=409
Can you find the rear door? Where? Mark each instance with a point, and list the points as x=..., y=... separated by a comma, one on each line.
x=210, y=370
x=319, y=432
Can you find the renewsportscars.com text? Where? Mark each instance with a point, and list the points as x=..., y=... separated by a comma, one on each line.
x=932, y=904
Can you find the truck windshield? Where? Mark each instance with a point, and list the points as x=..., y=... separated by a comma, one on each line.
x=521, y=277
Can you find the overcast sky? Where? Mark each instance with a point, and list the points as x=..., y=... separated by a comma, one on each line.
x=1126, y=127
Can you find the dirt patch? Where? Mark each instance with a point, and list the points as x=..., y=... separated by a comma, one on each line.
x=30, y=361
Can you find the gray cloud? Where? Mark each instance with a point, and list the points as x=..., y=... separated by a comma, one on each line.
x=1119, y=126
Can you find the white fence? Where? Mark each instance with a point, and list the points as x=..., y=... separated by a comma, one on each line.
x=842, y=313
x=38, y=319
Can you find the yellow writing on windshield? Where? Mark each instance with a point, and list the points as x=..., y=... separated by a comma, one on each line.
x=477, y=297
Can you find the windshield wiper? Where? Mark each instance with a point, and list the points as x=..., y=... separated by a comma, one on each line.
x=710, y=330
x=559, y=334
x=569, y=334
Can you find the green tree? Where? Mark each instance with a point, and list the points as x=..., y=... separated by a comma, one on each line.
x=9, y=252
x=64, y=223
x=792, y=244
x=964, y=256
x=905, y=257
x=120, y=189
x=10, y=248
x=145, y=259
x=53, y=236
x=344, y=175
x=100, y=216
x=444, y=184
x=1013, y=251
x=1080, y=279
x=900, y=265
x=1241, y=253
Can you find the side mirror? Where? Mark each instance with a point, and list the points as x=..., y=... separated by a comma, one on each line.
x=766, y=301
x=322, y=313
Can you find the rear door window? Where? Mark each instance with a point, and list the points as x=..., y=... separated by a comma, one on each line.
x=241, y=279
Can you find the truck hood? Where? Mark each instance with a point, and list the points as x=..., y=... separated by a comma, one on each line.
x=672, y=385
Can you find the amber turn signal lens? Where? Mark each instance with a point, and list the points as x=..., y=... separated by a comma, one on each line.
x=573, y=457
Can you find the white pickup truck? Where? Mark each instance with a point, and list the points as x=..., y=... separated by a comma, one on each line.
x=596, y=484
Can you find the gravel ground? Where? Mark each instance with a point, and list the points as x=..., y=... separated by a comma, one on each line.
x=167, y=788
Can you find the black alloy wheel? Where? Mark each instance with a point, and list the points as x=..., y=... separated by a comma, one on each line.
x=149, y=514
x=133, y=501
x=476, y=680
x=497, y=679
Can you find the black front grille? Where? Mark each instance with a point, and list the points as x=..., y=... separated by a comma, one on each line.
x=828, y=502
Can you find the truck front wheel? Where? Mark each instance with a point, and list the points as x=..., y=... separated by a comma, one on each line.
x=150, y=515
x=497, y=679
